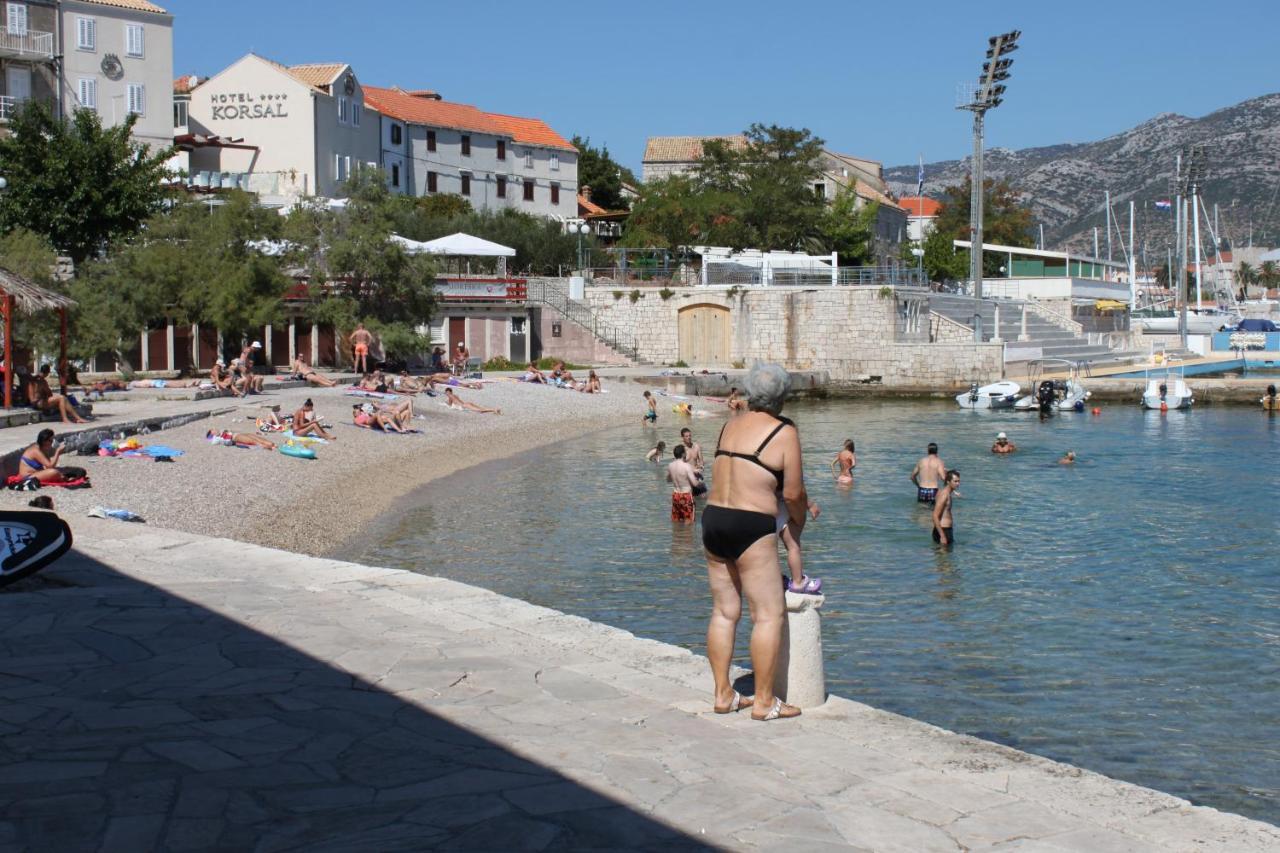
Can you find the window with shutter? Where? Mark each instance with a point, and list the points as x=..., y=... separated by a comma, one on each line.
x=397, y=134
x=133, y=40
x=395, y=174
x=355, y=114
x=342, y=110
x=502, y=149
x=17, y=19
x=431, y=140
x=502, y=186
x=528, y=158
x=88, y=92
x=466, y=184
x=528, y=189
x=555, y=193
x=137, y=99
x=86, y=34
x=555, y=162
x=431, y=182
x=466, y=145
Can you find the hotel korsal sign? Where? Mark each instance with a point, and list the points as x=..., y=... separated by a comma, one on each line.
x=239, y=105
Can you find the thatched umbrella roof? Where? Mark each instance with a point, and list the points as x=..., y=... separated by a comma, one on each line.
x=30, y=297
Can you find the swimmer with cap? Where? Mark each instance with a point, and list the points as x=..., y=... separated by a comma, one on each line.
x=1003, y=444
x=1068, y=458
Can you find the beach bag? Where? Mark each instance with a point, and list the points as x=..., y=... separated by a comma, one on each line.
x=71, y=473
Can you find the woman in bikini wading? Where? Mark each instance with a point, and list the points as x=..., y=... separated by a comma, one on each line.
x=757, y=458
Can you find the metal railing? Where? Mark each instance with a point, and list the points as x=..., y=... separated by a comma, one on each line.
x=752, y=276
x=556, y=295
x=28, y=44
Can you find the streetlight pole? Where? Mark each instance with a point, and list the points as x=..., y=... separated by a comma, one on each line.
x=987, y=96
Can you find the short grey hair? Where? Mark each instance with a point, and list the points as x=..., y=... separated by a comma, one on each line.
x=767, y=387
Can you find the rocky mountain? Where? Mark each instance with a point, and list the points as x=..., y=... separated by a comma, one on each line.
x=1065, y=184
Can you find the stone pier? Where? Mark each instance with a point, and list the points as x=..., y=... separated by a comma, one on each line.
x=162, y=690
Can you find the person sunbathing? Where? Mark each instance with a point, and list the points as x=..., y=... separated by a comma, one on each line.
x=43, y=399
x=400, y=408
x=240, y=439
x=104, y=385
x=453, y=382
x=369, y=383
x=406, y=384
x=305, y=423
x=367, y=417
x=304, y=373
x=453, y=401
x=167, y=383
x=533, y=374
x=40, y=460
x=592, y=385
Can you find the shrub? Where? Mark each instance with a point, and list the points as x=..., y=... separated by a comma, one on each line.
x=734, y=291
x=739, y=365
x=886, y=292
x=666, y=293
x=635, y=296
x=618, y=294
x=679, y=363
x=500, y=363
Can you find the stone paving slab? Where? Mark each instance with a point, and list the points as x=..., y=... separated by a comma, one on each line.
x=171, y=692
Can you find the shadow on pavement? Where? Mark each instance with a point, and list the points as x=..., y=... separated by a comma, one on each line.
x=132, y=719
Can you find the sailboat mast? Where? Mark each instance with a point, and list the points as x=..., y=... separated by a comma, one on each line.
x=1133, y=264
x=1195, y=227
x=1108, y=200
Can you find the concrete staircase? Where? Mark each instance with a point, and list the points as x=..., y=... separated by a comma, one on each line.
x=554, y=293
x=1050, y=338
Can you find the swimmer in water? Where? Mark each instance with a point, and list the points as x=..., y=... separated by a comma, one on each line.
x=927, y=474
x=844, y=463
x=1068, y=458
x=656, y=454
x=650, y=415
x=1003, y=444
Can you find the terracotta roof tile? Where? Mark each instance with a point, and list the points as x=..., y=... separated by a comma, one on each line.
x=919, y=206
x=531, y=131
x=135, y=5
x=317, y=74
x=183, y=85
x=401, y=105
x=589, y=208
x=684, y=149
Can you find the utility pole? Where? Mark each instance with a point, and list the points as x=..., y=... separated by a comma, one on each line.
x=1179, y=224
x=1108, y=197
x=1133, y=264
x=987, y=96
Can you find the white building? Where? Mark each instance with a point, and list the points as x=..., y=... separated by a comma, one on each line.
x=111, y=56
x=495, y=161
x=922, y=212
x=282, y=132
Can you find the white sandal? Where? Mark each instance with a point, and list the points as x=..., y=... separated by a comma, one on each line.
x=775, y=713
x=736, y=704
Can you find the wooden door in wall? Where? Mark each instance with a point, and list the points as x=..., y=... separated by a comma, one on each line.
x=457, y=334
x=704, y=335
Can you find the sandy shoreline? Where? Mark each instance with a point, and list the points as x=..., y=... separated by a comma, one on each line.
x=317, y=506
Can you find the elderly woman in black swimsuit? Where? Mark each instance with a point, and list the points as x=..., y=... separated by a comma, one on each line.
x=757, y=458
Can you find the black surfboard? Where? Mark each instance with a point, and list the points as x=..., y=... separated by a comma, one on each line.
x=29, y=541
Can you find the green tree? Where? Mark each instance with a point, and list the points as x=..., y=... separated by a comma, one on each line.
x=779, y=167
x=1269, y=275
x=942, y=260
x=78, y=184
x=362, y=274
x=1005, y=221
x=670, y=213
x=1246, y=275
x=847, y=229
x=598, y=170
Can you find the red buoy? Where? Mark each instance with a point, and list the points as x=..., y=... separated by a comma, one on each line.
x=1097, y=411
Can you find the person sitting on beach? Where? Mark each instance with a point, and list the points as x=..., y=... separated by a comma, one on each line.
x=844, y=463
x=271, y=421
x=303, y=372
x=1068, y=458
x=43, y=398
x=592, y=385
x=223, y=380
x=40, y=461
x=460, y=357
x=400, y=408
x=305, y=423
x=240, y=439
x=681, y=476
x=252, y=381
x=364, y=415
x=656, y=453
x=437, y=361
x=650, y=415
x=533, y=374
x=244, y=379
x=1003, y=444
x=453, y=401
x=790, y=536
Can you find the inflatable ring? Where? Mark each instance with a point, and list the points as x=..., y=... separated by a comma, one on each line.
x=291, y=449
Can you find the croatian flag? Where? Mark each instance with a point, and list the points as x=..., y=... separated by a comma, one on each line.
x=1164, y=205
x=920, y=178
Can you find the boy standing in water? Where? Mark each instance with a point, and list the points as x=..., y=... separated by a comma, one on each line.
x=651, y=409
x=682, y=477
x=943, y=524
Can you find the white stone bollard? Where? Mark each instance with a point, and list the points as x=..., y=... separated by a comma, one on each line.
x=995, y=335
x=801, y=678
x=1024, y=336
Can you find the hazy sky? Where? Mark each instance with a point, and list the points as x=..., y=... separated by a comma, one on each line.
x=876, y=80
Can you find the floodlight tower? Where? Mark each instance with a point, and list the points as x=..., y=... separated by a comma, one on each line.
x=987, y=96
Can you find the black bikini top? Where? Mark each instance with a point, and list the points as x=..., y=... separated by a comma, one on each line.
x=755, y=457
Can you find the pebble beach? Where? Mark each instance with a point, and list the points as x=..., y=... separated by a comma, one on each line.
x=314, y=506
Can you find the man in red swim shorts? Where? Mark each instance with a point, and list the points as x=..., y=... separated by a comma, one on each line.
x=360, y=340
x=682, y=477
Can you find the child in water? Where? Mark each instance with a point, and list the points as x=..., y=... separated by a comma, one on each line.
x=656, y=454
x=795, y=561
x=650, y=409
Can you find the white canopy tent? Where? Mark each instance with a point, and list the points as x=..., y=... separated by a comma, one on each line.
x=460, y=245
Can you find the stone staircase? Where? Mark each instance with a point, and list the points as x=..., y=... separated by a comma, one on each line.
x=1051, y=338
x=554, y=293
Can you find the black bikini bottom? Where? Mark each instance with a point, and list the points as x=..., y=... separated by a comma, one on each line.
x=727, y=533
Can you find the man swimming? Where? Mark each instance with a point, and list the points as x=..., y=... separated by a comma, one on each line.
x=944, y=525
x=929, y=471
x=1003, y=444
x=1068, y=458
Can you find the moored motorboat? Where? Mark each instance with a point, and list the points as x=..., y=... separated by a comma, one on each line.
x=997, y=395
x=1167, y=393
x=1047, y=395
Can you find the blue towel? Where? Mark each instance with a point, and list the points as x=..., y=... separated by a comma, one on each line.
x=161, y=450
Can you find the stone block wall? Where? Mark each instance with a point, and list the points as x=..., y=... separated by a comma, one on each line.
x=850, y=332
x=948, y=331
x=575, y=344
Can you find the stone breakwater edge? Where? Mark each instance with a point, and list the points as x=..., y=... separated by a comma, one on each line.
x=315, y=507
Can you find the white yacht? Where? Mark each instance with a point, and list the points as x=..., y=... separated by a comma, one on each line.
x=997, y=395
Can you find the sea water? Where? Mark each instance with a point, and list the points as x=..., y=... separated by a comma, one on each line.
x=1120, y=614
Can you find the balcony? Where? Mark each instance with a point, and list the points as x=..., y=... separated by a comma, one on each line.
x=8, y=106
x=29, y=45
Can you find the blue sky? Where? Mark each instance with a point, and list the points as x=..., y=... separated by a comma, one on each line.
x=875, y=80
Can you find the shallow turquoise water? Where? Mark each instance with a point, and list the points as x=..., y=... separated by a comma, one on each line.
x=1121, y=614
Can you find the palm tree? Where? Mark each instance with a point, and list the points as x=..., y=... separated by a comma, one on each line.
x=1269, y=275
x=1246, y=275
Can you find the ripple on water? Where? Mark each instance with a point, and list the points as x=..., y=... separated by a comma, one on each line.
x=1119, y=614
